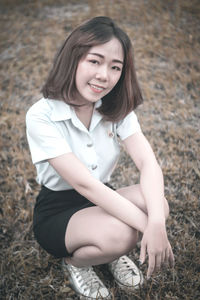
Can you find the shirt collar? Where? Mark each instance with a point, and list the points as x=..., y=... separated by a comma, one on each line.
x=96, y=118
x=62, y=111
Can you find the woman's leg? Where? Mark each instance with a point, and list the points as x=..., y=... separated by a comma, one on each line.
x=95, y=237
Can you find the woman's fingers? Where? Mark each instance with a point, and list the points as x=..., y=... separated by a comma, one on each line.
x=166, y=260
x=142, y=253
x=171, y=258
x=151, y=266
x=157, y=261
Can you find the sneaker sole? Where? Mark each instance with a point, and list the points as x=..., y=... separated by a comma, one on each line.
x=89, y=298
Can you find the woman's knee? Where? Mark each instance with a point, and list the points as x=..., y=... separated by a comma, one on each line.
x=119, y=237
x=134, y=194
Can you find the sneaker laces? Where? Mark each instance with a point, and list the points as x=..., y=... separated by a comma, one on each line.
x=122, y=268
x=88, y=279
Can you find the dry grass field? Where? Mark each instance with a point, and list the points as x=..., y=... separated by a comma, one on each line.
x=166, y=40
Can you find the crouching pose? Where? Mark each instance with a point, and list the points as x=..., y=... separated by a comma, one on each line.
x=74, y=132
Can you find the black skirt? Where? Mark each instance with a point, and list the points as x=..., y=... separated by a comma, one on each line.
x=52, y=212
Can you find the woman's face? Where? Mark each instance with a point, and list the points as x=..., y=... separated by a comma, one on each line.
x=99, y=71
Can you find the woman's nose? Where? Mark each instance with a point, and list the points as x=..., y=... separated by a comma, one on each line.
x=102, y=73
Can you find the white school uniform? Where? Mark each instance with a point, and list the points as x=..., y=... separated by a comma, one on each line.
x=54, y=129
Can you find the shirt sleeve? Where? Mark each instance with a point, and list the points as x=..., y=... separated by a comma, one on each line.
x=128, y=126
x=44, y=138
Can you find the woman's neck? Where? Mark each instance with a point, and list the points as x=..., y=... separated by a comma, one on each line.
x=84, y=113
x=84, y=107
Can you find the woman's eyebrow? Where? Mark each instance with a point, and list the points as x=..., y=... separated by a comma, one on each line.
x=101, y=56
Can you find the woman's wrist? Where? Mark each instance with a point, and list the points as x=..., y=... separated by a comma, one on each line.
x=155, y=220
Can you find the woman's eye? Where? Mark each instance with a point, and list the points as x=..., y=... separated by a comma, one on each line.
x=116, y=68
x=93, y=61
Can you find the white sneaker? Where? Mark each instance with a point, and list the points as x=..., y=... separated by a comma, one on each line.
x=85, y=282
x=126, y=273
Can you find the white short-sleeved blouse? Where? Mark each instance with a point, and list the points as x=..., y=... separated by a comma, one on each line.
x=54, y=129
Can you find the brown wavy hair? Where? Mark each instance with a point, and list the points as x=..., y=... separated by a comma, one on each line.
x=60, y=85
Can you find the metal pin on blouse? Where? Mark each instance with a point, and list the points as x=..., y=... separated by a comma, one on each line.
x=110, y=134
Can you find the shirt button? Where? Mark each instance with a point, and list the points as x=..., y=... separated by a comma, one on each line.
x=94, y=167
x=89, y=145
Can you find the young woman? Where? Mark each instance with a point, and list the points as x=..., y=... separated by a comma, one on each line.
x=73, y=134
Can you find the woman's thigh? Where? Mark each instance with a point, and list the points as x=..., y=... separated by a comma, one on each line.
x=93, y=226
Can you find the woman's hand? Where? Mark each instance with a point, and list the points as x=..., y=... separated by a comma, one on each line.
x=156, y=244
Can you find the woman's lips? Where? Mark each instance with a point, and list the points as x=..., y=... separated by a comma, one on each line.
x=96, y=88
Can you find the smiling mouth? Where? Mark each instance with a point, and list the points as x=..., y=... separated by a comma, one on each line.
x=96, y=88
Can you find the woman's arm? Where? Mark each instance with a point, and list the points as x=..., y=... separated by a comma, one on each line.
x=151, y=177
x=78, y=176
x=155, y=240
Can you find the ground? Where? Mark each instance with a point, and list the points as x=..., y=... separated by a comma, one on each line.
x=166, y=40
